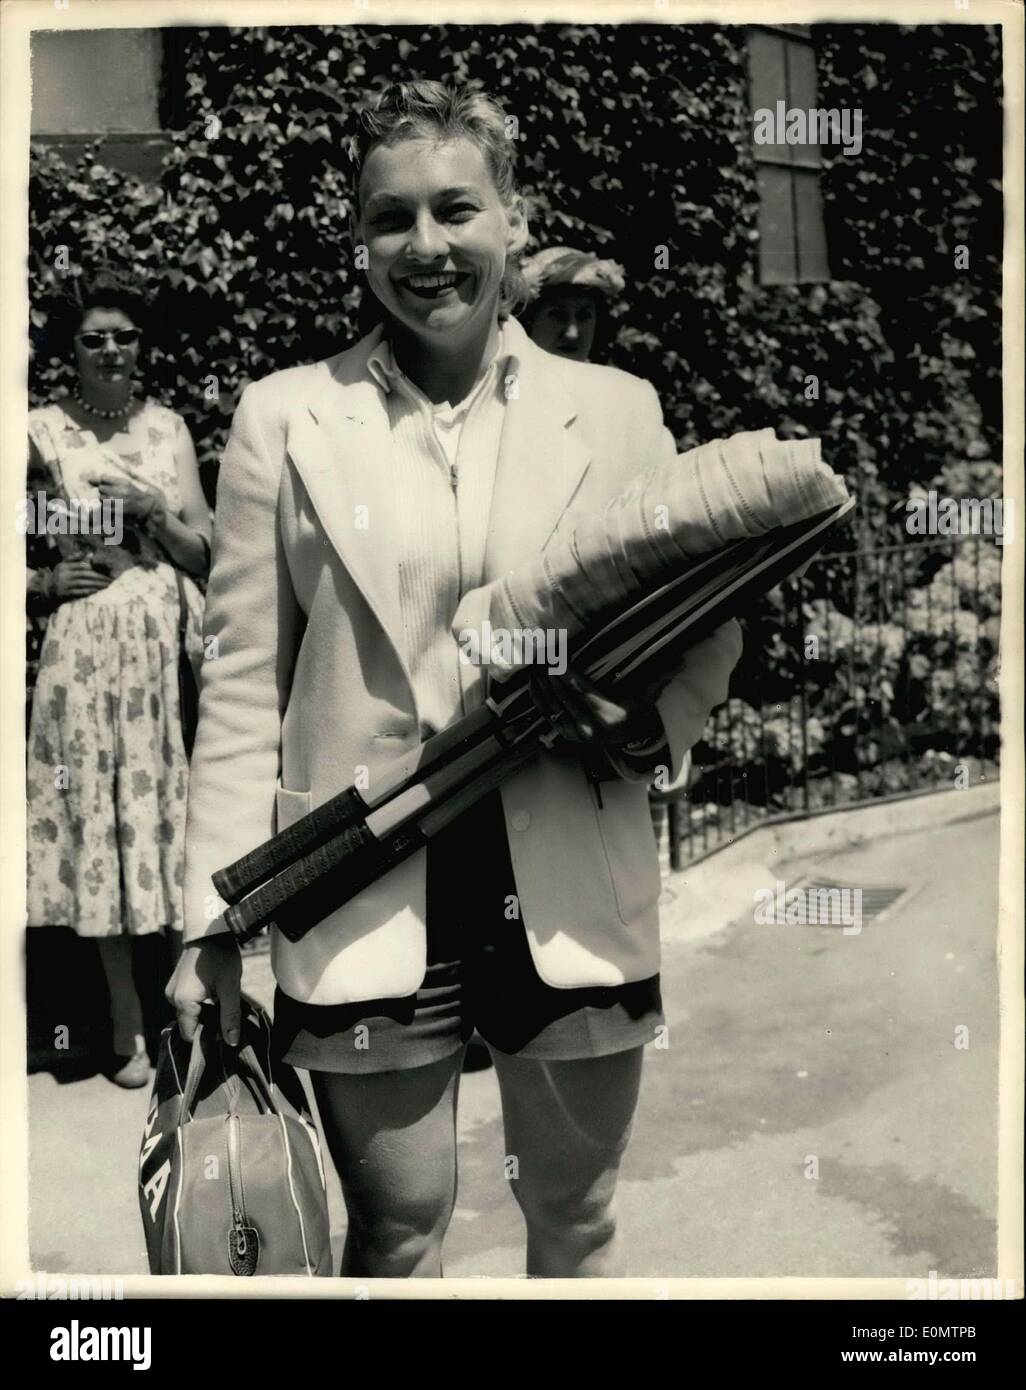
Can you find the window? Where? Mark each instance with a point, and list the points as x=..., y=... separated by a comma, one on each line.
x=124, y=87
x=96, y=81
x=792, y=239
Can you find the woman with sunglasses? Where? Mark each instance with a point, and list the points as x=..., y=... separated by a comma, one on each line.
x=114, y=484
x=367, y=508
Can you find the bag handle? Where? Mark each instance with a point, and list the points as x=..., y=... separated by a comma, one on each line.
x=198, y=1061
x=249, y=1062
x=197, y=1066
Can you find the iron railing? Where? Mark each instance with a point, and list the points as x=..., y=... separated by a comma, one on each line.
x=872, y=677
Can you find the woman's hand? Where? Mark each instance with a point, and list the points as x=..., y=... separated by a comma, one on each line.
x=136, y=503
x=76, y=579
x=616, y=738
x=580, y=712
x=209, y=968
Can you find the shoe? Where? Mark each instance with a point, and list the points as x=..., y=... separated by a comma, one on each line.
x=133, y=1072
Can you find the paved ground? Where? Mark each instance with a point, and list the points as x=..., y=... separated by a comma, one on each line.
x=788, y=1044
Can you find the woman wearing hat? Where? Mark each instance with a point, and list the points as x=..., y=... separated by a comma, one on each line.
x=567, y=313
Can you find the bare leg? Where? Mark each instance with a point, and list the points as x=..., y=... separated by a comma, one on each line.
x=125, y=1005
x=567, y=1125
x=392, y=1137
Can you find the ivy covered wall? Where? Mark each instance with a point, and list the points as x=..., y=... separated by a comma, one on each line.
x=635, y=141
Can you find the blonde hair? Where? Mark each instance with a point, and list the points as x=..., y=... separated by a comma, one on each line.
x=436, y=110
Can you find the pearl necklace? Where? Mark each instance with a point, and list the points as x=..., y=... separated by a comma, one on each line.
x=103, y=414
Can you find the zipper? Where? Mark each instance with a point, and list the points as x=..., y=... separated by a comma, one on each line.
x=243, y=1245
x=454, y=482
x=235, y=1193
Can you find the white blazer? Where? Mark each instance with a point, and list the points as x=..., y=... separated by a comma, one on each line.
x=308, y=683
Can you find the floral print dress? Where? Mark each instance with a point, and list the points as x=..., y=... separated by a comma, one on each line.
x=107, y=771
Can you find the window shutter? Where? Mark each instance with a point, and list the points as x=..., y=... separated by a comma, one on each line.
x=792, y=235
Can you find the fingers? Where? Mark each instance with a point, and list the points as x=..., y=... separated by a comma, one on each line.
x=131, y=503
x=188, y=1011
x=594, y=703
x=554, y=709
x=82, y=586
x=581, y=712
x=578, y=709
x=185, y=992
x=72, y=567
x=231, y=1015
x=231, y=1022
x=133, y=499
x=563, y=706
x=78, y=579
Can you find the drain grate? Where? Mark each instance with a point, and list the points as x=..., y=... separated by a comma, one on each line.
x=829, y=902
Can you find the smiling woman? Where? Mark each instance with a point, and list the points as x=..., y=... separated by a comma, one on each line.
x=107, y=763
x=438, y=210
x=459, y=448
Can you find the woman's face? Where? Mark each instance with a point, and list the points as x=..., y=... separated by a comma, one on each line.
x=101, y=359
x=437, y=236
x=565, y=322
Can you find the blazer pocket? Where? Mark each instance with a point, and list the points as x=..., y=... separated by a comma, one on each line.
x=290, y=806
x=630, y=847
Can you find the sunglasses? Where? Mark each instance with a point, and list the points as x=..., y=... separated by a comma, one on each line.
x=123, y=337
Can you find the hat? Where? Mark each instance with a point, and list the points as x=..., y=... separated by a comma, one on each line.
x=562, y=265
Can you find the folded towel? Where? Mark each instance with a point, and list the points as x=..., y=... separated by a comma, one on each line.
x=726, y=490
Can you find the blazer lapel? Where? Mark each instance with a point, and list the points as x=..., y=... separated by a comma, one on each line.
x=541, y=461
x=338, y=438
x=339, y=443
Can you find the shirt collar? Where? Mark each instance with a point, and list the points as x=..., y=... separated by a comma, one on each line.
x=385, y=372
